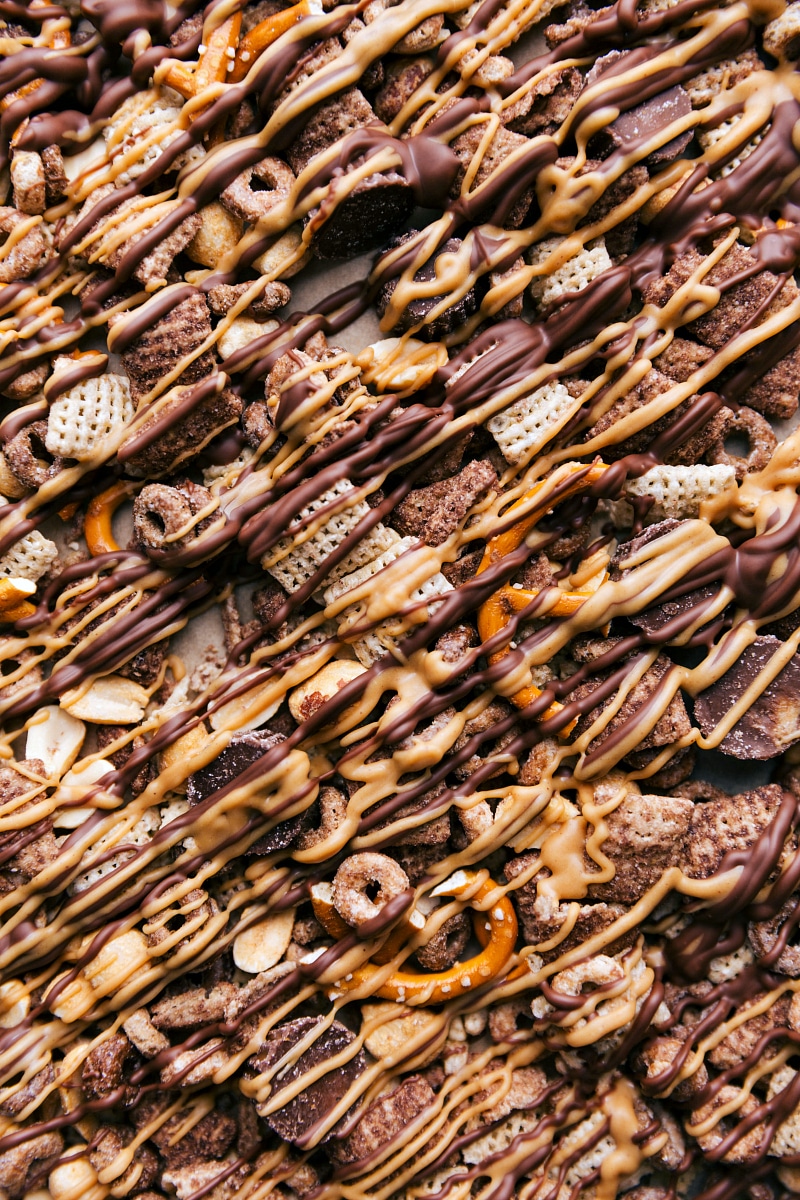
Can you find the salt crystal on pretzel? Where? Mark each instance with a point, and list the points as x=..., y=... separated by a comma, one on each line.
x=82, y=419
x=291, y=562
x=30, y=557
x=529, y=423
x=678, y=491
x=571, y=276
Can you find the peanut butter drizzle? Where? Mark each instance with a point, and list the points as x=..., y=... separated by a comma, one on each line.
x=61, y=955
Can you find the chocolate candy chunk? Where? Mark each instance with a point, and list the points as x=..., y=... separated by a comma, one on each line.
x=640, y=124
x=372, y=212
x=418, y=308
x=772, y=723
x=375, y=208
x=654, y=619
x=628, y=549
x=242, y=751
x=325, y=1087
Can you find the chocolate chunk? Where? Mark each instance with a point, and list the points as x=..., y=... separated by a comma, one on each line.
x=324, y=1090
x=375, y=208
x=242, y=751
x=627, y=550
x=145, y=666
x=653, y=620
x=772, y=723
x=640, y=124
x=364, y=219
x=418, y=308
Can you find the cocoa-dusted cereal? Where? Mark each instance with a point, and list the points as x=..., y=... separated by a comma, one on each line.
x=399, y=600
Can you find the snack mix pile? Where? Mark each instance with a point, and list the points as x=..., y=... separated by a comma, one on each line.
x=365, y=707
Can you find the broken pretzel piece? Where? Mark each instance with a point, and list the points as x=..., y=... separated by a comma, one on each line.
x=494, y=614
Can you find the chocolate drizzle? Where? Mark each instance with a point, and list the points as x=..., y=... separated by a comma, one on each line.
x=405, y=744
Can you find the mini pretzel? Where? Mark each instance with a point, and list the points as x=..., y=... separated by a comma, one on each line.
x=215, y=64
x=438, y=987
x=97, y=524
x=494, y=614
x=13, y=599
x=59, y=39
x=254, y=43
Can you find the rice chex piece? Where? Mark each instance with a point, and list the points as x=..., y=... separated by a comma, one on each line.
x=30, y=557
x=147, y=122
x=529, y=423
x=368, y=548
x=573, y=275
x=83, y=418
x=679, y=491
x=709, y=137
x=705, y=85
x=375, y=644
x=347, y=583
x=291, y=562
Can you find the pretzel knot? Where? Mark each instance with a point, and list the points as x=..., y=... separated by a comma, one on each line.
x=97, y=522
x=495, y=929
x=215, y=64
x=495, y=613
x=14, y=603
x=225, y=58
